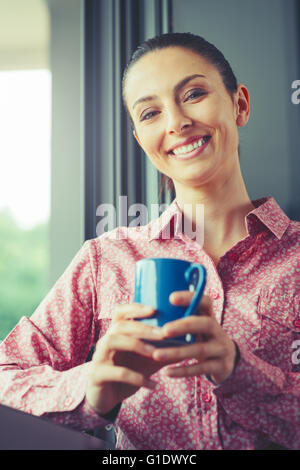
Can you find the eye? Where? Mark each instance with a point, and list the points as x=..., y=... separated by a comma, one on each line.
x=193, y=94
x=148, y=115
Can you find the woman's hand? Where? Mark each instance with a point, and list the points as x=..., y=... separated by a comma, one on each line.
x=122, y=362
x=213, y=349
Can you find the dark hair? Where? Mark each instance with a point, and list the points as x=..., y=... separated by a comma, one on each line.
x=196, y=44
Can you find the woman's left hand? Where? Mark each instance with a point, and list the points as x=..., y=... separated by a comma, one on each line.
x=214, y=351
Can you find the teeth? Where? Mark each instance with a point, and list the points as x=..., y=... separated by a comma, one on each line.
x=189, y=148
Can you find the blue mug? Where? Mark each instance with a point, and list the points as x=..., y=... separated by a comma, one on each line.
x=156, y=279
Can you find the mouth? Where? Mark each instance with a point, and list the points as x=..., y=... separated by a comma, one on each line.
x=191, y=150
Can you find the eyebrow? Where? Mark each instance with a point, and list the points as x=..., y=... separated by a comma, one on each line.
x=177, y=87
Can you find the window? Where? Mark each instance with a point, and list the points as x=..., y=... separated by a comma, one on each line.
x=25, y=117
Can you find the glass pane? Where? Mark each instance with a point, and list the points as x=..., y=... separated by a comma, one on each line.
x=25, y=123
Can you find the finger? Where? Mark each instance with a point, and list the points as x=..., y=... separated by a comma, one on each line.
x=131, y=311
x=208, y=368
x=184, y=298
x=121, y=374
x=202, y=325
x=108, y=346
x=199, y=351
x=181, y=298
x=136, y=329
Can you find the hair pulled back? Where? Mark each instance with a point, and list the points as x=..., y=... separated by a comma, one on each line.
x=196, y=44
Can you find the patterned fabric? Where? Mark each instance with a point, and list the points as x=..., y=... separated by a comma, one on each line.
x=255, y=291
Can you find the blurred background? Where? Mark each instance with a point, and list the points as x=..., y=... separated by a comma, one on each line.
x=25, y=153
x=65, y=141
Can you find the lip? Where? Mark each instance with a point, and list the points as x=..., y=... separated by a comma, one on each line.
x=194, y=153
x=186, y=142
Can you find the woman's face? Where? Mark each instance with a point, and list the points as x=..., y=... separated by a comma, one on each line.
x=184, y=118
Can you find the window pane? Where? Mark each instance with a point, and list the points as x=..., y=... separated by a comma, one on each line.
x=25, y=123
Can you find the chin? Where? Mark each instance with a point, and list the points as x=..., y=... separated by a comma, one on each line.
x=195, y=179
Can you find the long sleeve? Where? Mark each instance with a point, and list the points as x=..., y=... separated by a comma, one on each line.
x=42, y=361
x=264, y=399
x=255, y=294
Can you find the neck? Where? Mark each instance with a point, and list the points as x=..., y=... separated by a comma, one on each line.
x=225, y=202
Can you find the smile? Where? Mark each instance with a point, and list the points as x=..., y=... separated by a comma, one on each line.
x=191, y=150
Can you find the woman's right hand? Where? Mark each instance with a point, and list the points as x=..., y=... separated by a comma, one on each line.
x=122, y=362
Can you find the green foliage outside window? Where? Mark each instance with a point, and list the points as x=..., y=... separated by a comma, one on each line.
x=23, y=270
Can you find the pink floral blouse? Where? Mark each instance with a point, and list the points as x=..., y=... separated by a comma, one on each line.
x=255, y=291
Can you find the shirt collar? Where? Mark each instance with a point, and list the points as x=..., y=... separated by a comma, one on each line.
x=167, y=222
x=266, y=214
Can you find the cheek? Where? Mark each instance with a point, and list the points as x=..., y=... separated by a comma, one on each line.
x=222, y=121
x=206, y=112
x=215, y=111
x=151, y=139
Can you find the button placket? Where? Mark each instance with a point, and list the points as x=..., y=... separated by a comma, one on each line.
x=206, y=397
x=296, y=323
x=215, y=295
x=233, y=256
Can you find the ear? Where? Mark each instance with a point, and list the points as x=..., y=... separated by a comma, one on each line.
x=242, y=105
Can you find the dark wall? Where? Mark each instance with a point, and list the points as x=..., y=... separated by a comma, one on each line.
x=261, y=41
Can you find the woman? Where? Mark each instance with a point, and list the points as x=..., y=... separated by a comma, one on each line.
x=238, y=389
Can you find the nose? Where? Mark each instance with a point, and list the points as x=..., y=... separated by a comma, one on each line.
x=177, y=121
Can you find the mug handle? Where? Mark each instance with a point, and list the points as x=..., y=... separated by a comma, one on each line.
x=200, y=286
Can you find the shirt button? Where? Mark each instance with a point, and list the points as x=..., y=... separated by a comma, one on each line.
x=233, y=256
x=296, y=323
x=206, y=397
x=214, y=295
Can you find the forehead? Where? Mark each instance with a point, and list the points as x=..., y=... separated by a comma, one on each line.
x=159, y=71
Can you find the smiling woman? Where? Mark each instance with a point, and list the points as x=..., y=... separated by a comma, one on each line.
x=187, y=125
x=186, y=108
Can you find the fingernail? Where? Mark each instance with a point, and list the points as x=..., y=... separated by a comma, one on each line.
x=149, y=348
x=161, y=355
x=147, y=309
x=176, y=297
x=157, y=331
x=152, y=384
